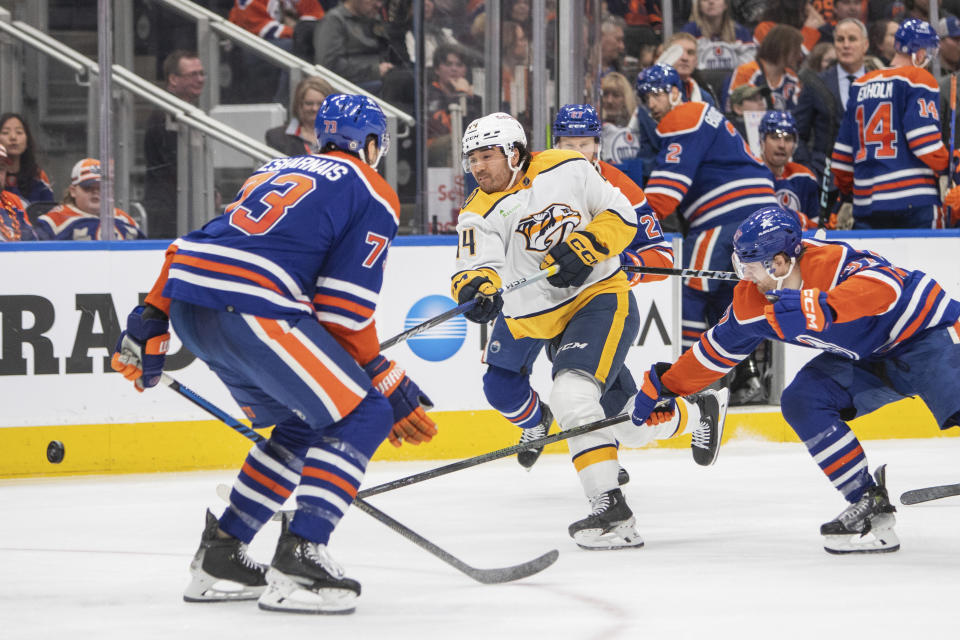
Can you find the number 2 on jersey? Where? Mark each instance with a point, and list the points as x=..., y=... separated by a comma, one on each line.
x=255, y=217
x=878, y=131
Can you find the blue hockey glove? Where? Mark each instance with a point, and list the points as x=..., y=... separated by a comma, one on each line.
x=654, y=403
x=477, y=284
x=794, y=311
x=575, y=258
x=630, y=259
x=141, y=350
x=410, y=421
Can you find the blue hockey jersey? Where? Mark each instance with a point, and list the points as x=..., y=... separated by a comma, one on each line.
x=797, y=190
x=705, y=170
x=305, y=235
x=889, y=150
x=879, y=308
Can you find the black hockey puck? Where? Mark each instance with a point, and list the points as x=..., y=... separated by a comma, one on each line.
x=55, y=452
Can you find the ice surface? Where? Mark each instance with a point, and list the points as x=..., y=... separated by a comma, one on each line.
x=732, y=551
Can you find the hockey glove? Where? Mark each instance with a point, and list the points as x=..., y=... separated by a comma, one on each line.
x=795, y=311
x=575, y=258
x=410, y=421
x=951, y=202
x=478, y=285
x=630, y=259
x=654, y=403
x=141, y=350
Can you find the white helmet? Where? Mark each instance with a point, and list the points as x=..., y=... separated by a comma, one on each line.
x=494, y=130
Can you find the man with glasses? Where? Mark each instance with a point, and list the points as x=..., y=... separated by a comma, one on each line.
x=185, y=78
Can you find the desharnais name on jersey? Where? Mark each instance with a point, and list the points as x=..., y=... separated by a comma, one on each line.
x=889, y=147
x=705, y=170
x=306, y=235
x=510, y=233
x=879, y=306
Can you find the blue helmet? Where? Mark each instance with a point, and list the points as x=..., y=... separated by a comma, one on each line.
x=767, y=232
x=915, y=34
x=659, y=77
x=577, y=121
x=345, y=120
x=777, y=122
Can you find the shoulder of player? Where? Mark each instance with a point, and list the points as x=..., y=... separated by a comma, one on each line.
x=914, y=76
x=621, y=181
x=683, y=118
x=376, y=186
x=822, y=263
x=797, y=170
x=550, y=159
x=748, y=302
x=482, y=203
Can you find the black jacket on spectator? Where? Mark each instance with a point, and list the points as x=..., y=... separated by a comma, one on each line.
x=819, y=113
x=349, y=45
x=160, y=181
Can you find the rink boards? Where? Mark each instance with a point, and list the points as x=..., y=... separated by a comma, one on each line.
x=62, y=301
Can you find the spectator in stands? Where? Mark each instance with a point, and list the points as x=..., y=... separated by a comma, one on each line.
x=843, y=9
x=824, y=97
x=799, y=14
x=351, y=41
x=449, y=85
x=681, y=54
x=619, y=145
x=777, y=57
x=23, y=177
x=185, y=77
x=297, y=137
x=611, y=45
x=722, y=43
x=745, y=98
x=882, y=34
x=949, y=32
x=289, y=24
x=643, y=19
x=14, y=224
x=515, y=59
x=435, y=33
x=78, y=215
x=823, y=56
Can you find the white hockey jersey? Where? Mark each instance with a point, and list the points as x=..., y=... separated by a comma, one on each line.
x=510, y=232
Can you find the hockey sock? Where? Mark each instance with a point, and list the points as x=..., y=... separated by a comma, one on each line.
x=510, y=393
x=331, y=476
x=841, y=458
x=268, y=477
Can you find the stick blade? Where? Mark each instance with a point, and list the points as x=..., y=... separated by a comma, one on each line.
x=916, y=496
x=516, y=572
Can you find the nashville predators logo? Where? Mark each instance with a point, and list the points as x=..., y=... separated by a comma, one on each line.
x=545, y=229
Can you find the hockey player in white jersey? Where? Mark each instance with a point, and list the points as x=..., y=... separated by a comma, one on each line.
x=555, y=209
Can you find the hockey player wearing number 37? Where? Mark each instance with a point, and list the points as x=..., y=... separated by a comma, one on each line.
x=886, y=332
x=555, y=209
x=277, y=297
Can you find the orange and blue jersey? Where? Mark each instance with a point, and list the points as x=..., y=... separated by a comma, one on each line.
x=265, y=17
x=705, y=171
x=879, y=308
x=14, y=224
x=797, y=190
x=783, y=96
x=306, y=235
x=889, y=149
x=66, y=222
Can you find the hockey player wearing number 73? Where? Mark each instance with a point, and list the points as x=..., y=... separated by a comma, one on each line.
x=554, y=208
x=886, y=332
x=277, y=297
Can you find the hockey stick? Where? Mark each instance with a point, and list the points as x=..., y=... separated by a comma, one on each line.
x=916, y=496
x=466, y=306
x=484, y=576
x=683, y=273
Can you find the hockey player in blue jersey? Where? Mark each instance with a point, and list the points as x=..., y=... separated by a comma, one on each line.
x=707, y=174
x=889, y=150
x=795, y=185
x=506, y=383
x=277, y=297
x=886, y=333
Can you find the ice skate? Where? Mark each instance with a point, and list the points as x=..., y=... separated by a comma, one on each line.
x=304, y=578
x=221, y=570
x=610, y=525
x=529, y=457
x=866, y=526
x=622, y=476
x=705, y=441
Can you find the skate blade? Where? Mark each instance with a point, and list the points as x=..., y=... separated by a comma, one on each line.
x=622, y=536
x=878, y=540
x=283, y=594
x=205, y=588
